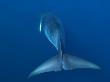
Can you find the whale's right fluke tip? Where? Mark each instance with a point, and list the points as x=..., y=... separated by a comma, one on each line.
x=72, y=62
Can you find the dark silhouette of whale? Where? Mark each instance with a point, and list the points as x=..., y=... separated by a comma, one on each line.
x=52, y=29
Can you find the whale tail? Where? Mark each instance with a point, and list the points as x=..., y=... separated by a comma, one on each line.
x=68, y=62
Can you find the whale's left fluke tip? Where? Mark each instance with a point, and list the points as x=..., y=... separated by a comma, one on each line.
x=53, y=64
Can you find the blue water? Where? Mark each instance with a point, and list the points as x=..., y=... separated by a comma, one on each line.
x=23, y=47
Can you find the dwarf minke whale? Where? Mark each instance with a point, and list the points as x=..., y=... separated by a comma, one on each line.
x=52, y=28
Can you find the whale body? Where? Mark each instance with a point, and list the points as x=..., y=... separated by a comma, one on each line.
x=52, y=28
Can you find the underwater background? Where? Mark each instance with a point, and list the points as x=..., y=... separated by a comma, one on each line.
x=23, y=47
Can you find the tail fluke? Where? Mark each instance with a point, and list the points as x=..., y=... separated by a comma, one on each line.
x=68, y=62
x=53, y=64
x=72, y=62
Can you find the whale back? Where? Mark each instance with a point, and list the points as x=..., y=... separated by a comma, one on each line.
x=52, y=29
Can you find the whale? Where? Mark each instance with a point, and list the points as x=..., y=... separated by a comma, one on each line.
x=52, y=28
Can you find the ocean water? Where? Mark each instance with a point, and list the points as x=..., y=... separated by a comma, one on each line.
x=23, y=47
